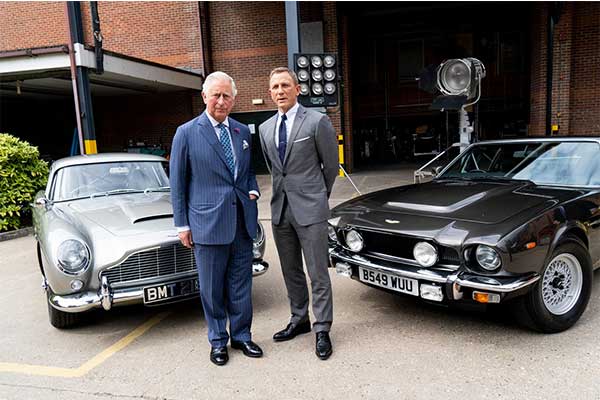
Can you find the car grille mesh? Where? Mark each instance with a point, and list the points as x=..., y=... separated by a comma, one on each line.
x=163, y=261
x=402, y=246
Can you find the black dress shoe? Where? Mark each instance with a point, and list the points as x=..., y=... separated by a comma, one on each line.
x=218, y=355
x=323, y=345
x=249, y=348
x=291, y=331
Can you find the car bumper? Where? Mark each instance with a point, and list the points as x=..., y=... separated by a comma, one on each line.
x=107, y=297
x=452, y=285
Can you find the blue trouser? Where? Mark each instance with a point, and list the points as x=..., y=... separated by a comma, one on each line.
x=225, y=277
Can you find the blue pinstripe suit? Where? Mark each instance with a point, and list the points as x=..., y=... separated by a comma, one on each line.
x=222, y=218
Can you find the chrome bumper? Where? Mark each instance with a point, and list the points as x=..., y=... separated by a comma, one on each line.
x=107, y=298
x=454, y=280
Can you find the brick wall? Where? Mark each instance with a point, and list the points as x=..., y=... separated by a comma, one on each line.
x=248, y=40
x=585, y=65
x=25, y=25
x=576, y=70
x=163, y=32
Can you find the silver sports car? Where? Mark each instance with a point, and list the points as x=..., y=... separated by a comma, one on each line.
x=105, y=237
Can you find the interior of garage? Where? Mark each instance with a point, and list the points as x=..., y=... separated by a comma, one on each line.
x=390, y=43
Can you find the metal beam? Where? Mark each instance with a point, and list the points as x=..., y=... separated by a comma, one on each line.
x=292, y=28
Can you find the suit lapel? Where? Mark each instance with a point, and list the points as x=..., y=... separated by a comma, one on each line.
x=270, y=140
x=295, y=129
x=208, y=132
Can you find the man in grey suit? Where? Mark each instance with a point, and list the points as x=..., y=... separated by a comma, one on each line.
x=214, y=192
x=300, y=146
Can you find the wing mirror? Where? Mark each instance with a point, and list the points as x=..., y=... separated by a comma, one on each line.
x=436, y=171
x=42, y=202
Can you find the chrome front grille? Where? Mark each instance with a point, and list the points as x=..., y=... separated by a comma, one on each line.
x=163, y=261
x=402, y=246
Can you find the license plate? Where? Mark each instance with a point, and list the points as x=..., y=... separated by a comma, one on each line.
x=388, y=281
x=170, y=291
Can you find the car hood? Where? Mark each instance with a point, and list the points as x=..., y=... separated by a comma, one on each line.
x=125, y=214
x=450, y=205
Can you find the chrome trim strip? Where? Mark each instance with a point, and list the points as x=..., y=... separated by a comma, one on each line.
x=432, y=276
x=86, y=301
x=426, y=275
x=520, y=283
x=450, y=267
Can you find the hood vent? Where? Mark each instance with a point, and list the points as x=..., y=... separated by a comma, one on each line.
x=151, y=217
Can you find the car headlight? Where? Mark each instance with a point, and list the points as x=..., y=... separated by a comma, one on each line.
x=73, y=256
x=487, y=257
x=354, y=241
x=331, y=233
x=425, y=254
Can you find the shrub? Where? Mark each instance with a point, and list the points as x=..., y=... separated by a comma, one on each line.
x=22, y=174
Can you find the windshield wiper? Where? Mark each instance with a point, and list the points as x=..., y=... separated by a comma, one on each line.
x=114, y=191
x=498, y=178
x=157, y=189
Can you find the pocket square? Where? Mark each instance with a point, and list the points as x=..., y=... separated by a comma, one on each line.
x=245, y=145
x=301, y=140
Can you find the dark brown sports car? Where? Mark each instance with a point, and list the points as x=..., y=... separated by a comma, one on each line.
x=506, y=221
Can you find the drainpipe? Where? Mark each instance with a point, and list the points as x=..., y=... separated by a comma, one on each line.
x=97, y=38
x=83, y=97
x=554, y=10
x=204, y=18
x=74, y=81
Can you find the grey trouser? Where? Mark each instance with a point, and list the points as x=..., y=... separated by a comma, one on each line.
x=293, y=240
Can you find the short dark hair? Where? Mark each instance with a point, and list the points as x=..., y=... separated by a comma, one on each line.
x=281, y=70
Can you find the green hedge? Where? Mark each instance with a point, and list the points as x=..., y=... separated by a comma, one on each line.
x=22, y=175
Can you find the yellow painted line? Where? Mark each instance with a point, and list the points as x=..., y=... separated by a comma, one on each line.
x=88, y=365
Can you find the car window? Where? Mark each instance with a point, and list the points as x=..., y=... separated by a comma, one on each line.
x=548, y=163
x=79, y=181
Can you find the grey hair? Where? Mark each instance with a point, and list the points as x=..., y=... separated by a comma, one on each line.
x=218, y=76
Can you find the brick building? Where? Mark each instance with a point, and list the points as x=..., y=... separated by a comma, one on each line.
x=380, y=46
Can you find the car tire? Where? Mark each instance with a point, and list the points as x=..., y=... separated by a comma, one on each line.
x=60, y=319
x=560, y=296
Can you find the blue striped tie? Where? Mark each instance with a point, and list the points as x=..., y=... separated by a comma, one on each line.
x=282, y=138
x=226, y=143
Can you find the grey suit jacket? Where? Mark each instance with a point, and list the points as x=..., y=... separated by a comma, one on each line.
x=309, y=169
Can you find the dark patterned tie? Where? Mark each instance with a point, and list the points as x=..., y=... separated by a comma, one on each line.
x=282, y=138
x=226, y=143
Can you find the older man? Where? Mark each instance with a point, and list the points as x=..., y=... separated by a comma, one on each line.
x=214, y=192
x=301, y=147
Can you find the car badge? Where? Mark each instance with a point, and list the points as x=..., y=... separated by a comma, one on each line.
x=392, y=221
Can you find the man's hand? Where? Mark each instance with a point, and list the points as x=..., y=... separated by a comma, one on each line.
x=253, y=197
x=186, y=239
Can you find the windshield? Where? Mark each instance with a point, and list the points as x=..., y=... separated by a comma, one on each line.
x=86, y=180
x=544, y=163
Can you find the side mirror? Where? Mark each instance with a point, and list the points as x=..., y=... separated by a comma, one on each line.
x=42, y=202
x=436, y=171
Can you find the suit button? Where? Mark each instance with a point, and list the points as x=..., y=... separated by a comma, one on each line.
x=284, y=174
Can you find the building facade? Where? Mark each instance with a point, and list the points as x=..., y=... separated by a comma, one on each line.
x=382, y=115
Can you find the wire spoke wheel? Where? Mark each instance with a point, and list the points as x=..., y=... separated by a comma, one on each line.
x=562, y=283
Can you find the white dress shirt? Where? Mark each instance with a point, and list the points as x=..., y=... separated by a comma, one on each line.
x=215, y=125
x=289, y=123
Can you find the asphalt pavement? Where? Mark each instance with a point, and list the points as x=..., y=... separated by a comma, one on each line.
x=385, y=346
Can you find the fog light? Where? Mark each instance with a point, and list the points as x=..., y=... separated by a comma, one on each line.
x=76, y=284
x=431, y=292
x=483, y=297
x=343, y=269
